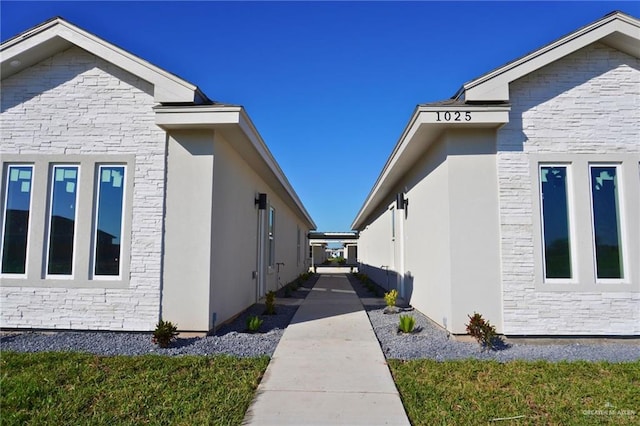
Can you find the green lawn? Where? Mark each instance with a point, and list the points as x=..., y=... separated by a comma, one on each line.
x=519, y=393
x=68, y=388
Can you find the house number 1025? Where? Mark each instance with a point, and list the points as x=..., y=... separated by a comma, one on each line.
x=453, y=116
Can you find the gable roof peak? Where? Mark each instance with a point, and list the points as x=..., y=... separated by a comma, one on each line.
x=616, y=29
x=57, y=34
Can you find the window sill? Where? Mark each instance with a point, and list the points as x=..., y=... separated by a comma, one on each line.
x=7, y=281
x=586, y=287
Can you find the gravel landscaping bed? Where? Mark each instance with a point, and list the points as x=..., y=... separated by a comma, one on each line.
x=230, y=338
x=432, y=342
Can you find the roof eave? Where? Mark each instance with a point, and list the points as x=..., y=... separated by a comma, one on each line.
x=221, y=117
x=57, y=34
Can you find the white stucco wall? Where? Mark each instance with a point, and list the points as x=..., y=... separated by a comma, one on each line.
x=351, y=253
x=235, y=234
x=427, y=236
x=376, y=248
x=319, y=254
x=474, y=231
x=187, y=275
x=75, y=104
x=449, y=230
x=581, y=109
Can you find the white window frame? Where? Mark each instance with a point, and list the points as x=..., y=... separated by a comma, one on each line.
x=571, y=228
x=298, y=247
x=622, y=226
x=4, y=219
x=75, y=223
x=93, y=275
x=271, y=235
x=393, y=223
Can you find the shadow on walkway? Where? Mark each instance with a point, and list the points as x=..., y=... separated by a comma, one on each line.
x=332, y=296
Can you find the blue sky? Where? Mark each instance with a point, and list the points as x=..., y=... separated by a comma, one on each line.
x=329, y=85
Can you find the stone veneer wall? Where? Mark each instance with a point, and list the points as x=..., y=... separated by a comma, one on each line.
x=586, y=103
x=76, y=104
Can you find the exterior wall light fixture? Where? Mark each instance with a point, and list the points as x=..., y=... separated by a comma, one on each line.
x=401, y=202
x=261, y=201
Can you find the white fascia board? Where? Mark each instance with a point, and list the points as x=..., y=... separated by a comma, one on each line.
x=463, y=115
x=182, y=117
x=168, y=88
x=251, y=132
x=494, y=86
x=429, y=121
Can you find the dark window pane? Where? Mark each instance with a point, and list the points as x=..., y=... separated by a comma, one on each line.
x=555, y=222
x=606, y=222
x=109, y=222
x=62, y=221
x=16, y=219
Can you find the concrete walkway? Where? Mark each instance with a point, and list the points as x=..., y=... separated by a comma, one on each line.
x=328, y=368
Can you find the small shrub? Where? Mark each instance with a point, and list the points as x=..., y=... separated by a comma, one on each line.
x=164, y=333
x=304, y=277
x=253, y=323
x=362, y=277
x=407, y=323
x=482, y=331
x=270, y=303
x=391, y=298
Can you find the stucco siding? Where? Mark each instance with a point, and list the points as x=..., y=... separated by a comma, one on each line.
x=583, y=108
x=235, y=234
x=474, y=231
x=75, y=104
x=187, y=273
x=425, y=233
x=427, y=236
x=376, y=249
